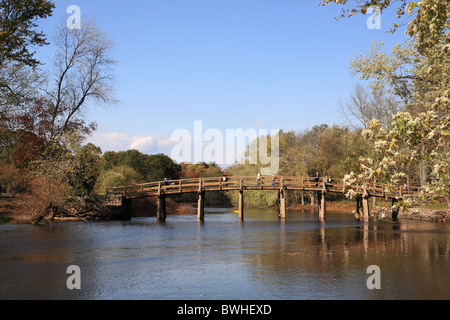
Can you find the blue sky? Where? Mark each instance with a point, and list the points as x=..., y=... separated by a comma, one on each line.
x=262, y=64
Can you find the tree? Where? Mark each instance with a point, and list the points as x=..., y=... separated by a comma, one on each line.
x=82, y=76
x=121, y=175
x=429, y=17
x=417, y=72
x=17, y=30
x=150, y=168
x=87, y=169
x=291, y=156
x=364, y=105
x=46, y=197
x=162, y=166
x=18, y=67
x=12, y=179
x=201, y=169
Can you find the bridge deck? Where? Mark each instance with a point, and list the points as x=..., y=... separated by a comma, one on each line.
x=153, y=189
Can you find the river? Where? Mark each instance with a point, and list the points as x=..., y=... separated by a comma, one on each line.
x=222, y=258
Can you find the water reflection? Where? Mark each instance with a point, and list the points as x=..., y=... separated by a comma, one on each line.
x=223, y=258
x=412, y=256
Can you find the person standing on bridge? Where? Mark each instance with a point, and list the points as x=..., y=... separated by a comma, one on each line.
x=258, y=179
x=317, y=178
x=225, y=178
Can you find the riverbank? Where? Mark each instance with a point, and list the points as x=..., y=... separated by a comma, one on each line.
x=13, y=210
x=417, y=213
x=96, y=209
x=345, y=205
x=383, y=211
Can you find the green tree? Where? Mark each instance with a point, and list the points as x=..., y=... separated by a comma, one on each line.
x=150, y=167
x=162, y=166
x=17, y=29
x=117, y=176
x=87, y=169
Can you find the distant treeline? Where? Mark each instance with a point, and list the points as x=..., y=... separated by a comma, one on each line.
x=83, y=170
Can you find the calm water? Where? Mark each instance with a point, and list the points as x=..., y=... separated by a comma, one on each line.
x=221, y=258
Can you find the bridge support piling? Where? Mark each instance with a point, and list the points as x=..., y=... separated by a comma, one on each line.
x=358, y=207
x=282, y=206
x=395, y=210
x=161, y=209
x=241, y=205
x=126, y=208
x=201, y=206
x=365, y=207
x=322, y=206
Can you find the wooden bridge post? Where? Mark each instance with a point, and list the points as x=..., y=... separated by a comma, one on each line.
x=161, y=209
x=201, y=206
x=322, y=202
x=365, y=206
x=395, y=210
x=282, y=206
x=241, y=205
x=126, y=208
x=358, y=207
x=322, y=205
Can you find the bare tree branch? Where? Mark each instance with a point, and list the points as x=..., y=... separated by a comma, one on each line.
x=364, y=105
x=83, y=73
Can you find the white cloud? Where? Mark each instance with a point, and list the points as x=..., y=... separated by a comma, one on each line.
x=155, y=143
x=147, y=143
x=150, y=144
x=212, y=145
x=110, y=141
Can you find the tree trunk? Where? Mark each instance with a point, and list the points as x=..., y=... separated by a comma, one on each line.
x=447, y=198
x=50, y=209
x=423, y=169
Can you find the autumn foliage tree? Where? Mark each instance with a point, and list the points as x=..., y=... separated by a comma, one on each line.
x=18, y=66
x=42, y=124
x=46, y=197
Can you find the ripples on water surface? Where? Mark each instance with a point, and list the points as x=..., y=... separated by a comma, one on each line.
x=221, y=258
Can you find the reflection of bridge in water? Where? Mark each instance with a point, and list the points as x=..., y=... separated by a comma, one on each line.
x=321, y=186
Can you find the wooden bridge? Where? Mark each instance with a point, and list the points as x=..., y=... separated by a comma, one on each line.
x=321, y=186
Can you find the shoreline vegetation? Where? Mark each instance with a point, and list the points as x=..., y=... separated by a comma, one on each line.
x=88, y=211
